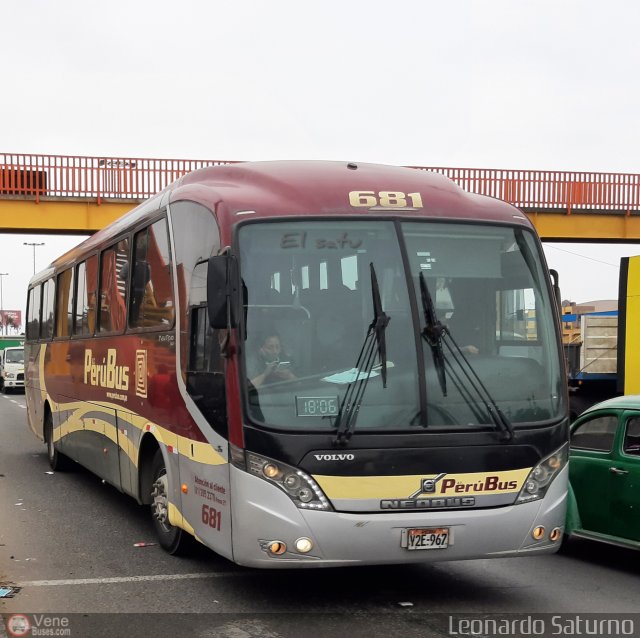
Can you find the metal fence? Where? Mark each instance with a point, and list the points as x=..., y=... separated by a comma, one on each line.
x=552, y=190
x=92, y=177
x=36, y=176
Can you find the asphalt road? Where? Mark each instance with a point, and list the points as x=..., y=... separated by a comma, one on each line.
x=67, y=540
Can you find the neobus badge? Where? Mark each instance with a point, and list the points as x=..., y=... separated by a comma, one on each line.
x=106, y=374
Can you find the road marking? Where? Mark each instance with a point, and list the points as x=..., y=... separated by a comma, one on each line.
x=243, y=629
x=126, y=579
x=18, y=403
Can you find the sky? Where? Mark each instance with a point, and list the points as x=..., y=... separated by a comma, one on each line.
x=519, y=84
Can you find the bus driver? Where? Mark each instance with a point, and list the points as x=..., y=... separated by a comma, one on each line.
x=266, y=365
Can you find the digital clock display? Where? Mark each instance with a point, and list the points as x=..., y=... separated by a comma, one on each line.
x=317, y=406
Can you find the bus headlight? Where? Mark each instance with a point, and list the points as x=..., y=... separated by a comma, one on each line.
x=542, y=475
x=298, y=485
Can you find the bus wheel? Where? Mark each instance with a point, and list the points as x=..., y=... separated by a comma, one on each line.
x=57, y=460
x=172, y=539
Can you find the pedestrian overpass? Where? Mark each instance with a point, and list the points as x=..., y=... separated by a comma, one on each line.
x=74, y=194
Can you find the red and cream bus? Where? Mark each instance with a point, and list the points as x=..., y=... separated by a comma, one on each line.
x=311, y=364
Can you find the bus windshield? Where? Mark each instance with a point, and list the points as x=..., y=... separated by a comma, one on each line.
x=311, y=287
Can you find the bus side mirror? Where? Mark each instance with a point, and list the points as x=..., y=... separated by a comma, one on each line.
x=222, y=291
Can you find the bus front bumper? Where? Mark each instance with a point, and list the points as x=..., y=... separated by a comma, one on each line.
x=262, y=514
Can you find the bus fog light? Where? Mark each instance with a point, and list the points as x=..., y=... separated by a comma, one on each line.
x=538, y=532
x=555, y=534
x=304, y=545
x=277, y=547
x=305, y=494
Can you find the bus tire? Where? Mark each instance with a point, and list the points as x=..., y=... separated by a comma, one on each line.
x=57, y=460
x=172, y=539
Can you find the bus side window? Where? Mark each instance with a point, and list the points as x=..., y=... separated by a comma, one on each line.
x=80, y=323
x=33, y=319
x=113, y=287
x=151, y=288
x=85, y=298
x=48, y=301
x=205, y=368
x=64, y=303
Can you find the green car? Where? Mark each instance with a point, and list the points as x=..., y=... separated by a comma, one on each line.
x=604, y=473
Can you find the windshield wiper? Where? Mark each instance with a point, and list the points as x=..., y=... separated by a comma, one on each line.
x=345, y=422
x=435, y=333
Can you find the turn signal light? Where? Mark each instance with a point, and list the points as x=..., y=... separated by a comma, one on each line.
x=538, y=532
x=555, y=534
x=277, y=547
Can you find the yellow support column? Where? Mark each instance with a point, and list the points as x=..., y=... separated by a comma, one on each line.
x=630, y=306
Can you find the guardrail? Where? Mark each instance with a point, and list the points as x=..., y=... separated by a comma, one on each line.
x=108, y=178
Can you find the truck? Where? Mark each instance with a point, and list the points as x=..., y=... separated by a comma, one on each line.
x=603, y=358
x=12, y=369
x=592, y=358
x=10, y=341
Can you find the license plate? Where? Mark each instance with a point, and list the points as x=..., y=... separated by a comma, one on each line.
x=425, y=538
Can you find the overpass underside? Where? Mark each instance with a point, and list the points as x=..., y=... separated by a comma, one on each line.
x=58, y=215
x=81, y=215
x=585, y=225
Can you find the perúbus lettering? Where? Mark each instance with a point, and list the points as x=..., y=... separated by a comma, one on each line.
x=106, y=374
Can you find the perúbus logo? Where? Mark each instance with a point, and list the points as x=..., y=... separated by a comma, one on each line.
x=141, y=373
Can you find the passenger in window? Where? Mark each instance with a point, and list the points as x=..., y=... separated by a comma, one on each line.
x=456, y=317
x=269, y=364
x=444, y=303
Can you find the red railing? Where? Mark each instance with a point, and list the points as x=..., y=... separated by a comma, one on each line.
x=100, y=178
x=94, y=177
x=551, y=191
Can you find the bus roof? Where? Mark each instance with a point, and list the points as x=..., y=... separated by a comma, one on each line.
x=304, y=188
